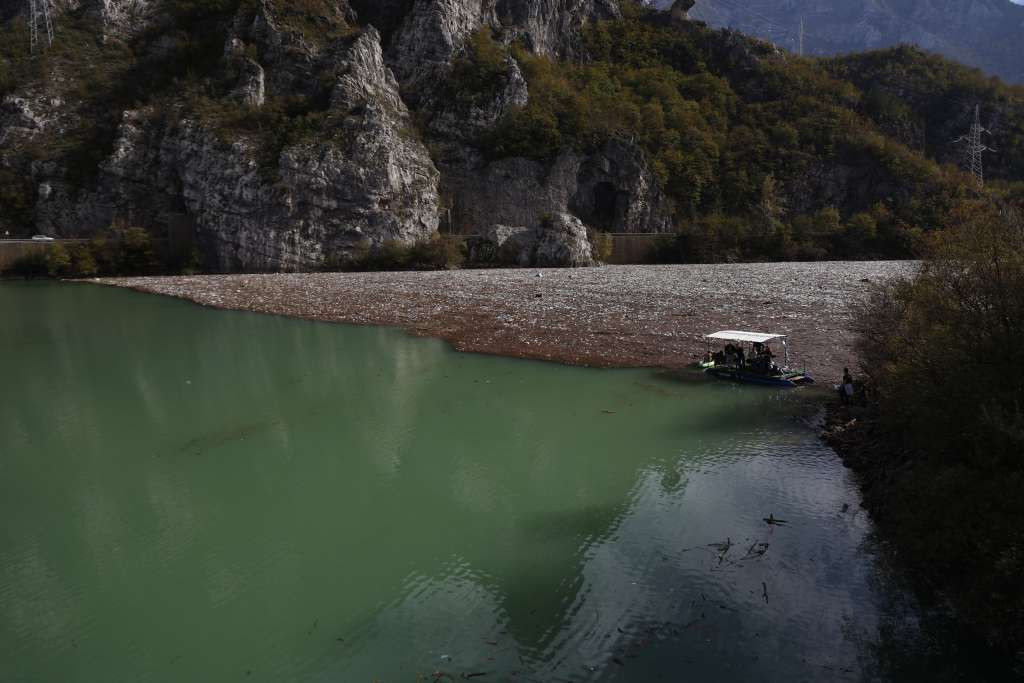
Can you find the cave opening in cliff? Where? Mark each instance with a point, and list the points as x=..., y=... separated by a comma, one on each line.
x=606, y=203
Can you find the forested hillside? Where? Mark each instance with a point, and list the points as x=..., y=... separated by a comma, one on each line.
x=291, y=134
x=767, y=154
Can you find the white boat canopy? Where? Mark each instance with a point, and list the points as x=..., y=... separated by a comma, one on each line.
x=736, y=335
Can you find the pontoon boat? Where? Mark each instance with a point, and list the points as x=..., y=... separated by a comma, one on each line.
x=747, y=357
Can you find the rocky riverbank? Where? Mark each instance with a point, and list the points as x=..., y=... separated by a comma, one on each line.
x=615, y=316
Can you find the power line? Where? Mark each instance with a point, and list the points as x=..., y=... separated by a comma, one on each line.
x=729, y=9
x=975, y=147
x=39, y=13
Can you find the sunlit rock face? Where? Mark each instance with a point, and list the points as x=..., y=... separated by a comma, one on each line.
x=432, y=32
x=560, y=241
x=367, y=180
x=361, y=174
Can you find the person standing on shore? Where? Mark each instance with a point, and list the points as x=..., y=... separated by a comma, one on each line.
x=846, y=388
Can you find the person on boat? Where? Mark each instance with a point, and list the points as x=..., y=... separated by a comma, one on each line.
x=741, y=356
x=730, y=354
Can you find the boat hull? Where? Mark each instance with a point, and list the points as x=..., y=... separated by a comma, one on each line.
x=789, y=379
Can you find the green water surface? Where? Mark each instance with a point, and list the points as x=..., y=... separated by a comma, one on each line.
x=197, y=495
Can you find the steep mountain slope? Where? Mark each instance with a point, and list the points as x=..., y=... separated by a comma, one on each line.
x=293, y=133
x=274, y=126
x=982, y=33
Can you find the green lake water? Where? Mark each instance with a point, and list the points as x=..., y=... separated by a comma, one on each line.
x=198, y=495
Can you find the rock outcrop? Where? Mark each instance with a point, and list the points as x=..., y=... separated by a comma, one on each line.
x=558, y=241
x=680, y=11
x=433, y=32
x=123, y=17
x=562, y=241
x=465, y=118
x=367, y=180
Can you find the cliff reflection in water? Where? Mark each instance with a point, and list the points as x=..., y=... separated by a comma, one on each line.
x=190, y=494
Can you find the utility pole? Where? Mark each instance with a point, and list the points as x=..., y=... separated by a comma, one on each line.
x=801, y=36
x=39, y=12
x=975, y=147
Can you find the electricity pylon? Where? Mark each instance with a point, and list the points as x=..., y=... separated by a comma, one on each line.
x=801, y=37
x=39, y=12
x=975, y=147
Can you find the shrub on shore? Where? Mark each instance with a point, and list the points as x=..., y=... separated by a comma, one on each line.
x=119, y=251
x=439, y=252
x=940, y=355
x=601, y=244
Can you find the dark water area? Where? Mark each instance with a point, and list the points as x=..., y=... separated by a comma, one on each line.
x=197, y=495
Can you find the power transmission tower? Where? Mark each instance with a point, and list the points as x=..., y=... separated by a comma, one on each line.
x=975, y=147
x=39, y=12
x=801, y=36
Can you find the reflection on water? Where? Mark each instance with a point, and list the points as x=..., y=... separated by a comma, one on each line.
x=189, y=494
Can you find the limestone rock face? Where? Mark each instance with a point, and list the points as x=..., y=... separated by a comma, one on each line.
x=560, y=241
x=435, y=31
x=368, y=182
x=499, y=234
x=613, y=190
x=123, y=17
x=25, y=115
x=551, y=27
x=431, y=34
x=563, y=242
x=459, y=119
x=251, y=89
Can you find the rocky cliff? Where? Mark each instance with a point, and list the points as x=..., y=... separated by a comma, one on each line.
x=279, y=129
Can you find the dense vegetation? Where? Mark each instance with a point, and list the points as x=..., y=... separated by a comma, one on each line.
x=120, y=251
x=926, y=102
x=767, y=155
x=941, y=444
x=441, y=252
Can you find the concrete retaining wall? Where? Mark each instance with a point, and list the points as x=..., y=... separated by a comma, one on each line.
x=630, y=248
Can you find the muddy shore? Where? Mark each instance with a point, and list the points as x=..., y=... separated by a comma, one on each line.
x=614, y=316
